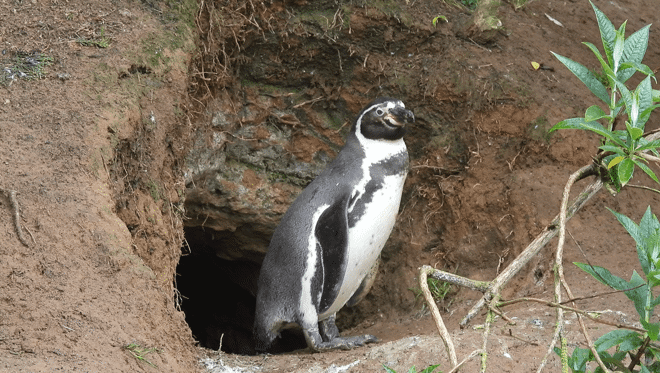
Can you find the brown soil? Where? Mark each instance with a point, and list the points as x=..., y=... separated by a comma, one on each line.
x=96, y=153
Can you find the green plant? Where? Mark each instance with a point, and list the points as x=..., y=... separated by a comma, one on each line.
x=140, y=352
x=639, y=291
x=438, y=288
x=428, y=369
x=623, y=149
x=154, y=190
x=466, y=4
x=100, y=42
x=24, y=65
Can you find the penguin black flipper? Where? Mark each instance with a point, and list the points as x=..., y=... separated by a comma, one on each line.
x=331, y=232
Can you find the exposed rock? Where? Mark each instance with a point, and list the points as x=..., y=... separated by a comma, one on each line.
x=243, y=176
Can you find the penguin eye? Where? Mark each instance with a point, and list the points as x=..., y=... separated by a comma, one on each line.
x=380, y=112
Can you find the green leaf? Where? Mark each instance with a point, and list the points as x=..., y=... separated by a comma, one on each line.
x=631, y=343
x=631, y=227
x=654, y=278
x=607, y=69
x=388, y=369
x=612, y=148
x=615, y=161
x=430, y=368
x=647, y=170
x=628, y=98
x=656, y=95
x=653, y=329
x=586, y=76
x=625, y=170
x=636, y=67
x=634, y=51
x=594, y=113
x=645, y=114
x=580, y=123
x=607, y=32
x=645, y=144
x=612, y=172
x=635, y=290
x=619, y=42
x=634, y=132
x=579, y=359
x=644, y=94
x=604, y=276
x=653, y=352
x=637, y=234
x=614, y=177
x=613, y=338
x=638, y=292
x=648, y=227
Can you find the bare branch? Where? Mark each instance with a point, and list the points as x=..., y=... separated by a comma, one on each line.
x=481, y=286
x=442, y=329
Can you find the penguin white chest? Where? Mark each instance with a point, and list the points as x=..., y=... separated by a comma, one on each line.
x=368, y=235
x=367, y=238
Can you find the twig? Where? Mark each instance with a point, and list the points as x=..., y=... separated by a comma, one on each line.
x=643, y=187
x=571, y=309
x=522, y=339
x=481, y=286
x=635, y=359
x=11, y=194
x=308, y=102
x=585, y=333
x=501, y=314
x=601, y=294
x=470, y=356
x=560, y=272
x=649, y=157
x=484, y=347
x=67, y=328
x=31, y=236
x=442, y=329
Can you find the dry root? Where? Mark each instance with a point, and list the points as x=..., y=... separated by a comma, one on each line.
x=11, y=194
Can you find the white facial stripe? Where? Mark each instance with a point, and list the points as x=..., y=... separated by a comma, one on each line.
x=389, y=106
x=375, y=150
x=308, y=309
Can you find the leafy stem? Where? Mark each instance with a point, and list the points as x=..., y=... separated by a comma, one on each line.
x=623, y=57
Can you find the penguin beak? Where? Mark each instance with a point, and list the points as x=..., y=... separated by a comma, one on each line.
x=399, y=117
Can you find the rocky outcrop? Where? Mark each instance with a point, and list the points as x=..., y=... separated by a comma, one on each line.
x=245, y=172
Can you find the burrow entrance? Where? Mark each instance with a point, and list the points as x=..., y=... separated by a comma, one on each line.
x=219, y=295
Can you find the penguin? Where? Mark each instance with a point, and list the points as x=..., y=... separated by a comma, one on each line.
x=324, y=253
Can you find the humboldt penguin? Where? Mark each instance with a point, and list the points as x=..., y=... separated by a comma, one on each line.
x=325, y=251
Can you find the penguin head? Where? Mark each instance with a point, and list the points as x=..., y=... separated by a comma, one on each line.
x=384, y=118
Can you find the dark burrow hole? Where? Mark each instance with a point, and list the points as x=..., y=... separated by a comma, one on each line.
x=218, y=296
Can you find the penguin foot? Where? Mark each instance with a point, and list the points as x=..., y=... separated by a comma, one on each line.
x=347, y=343
x=328, y=329
x=340, y=343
